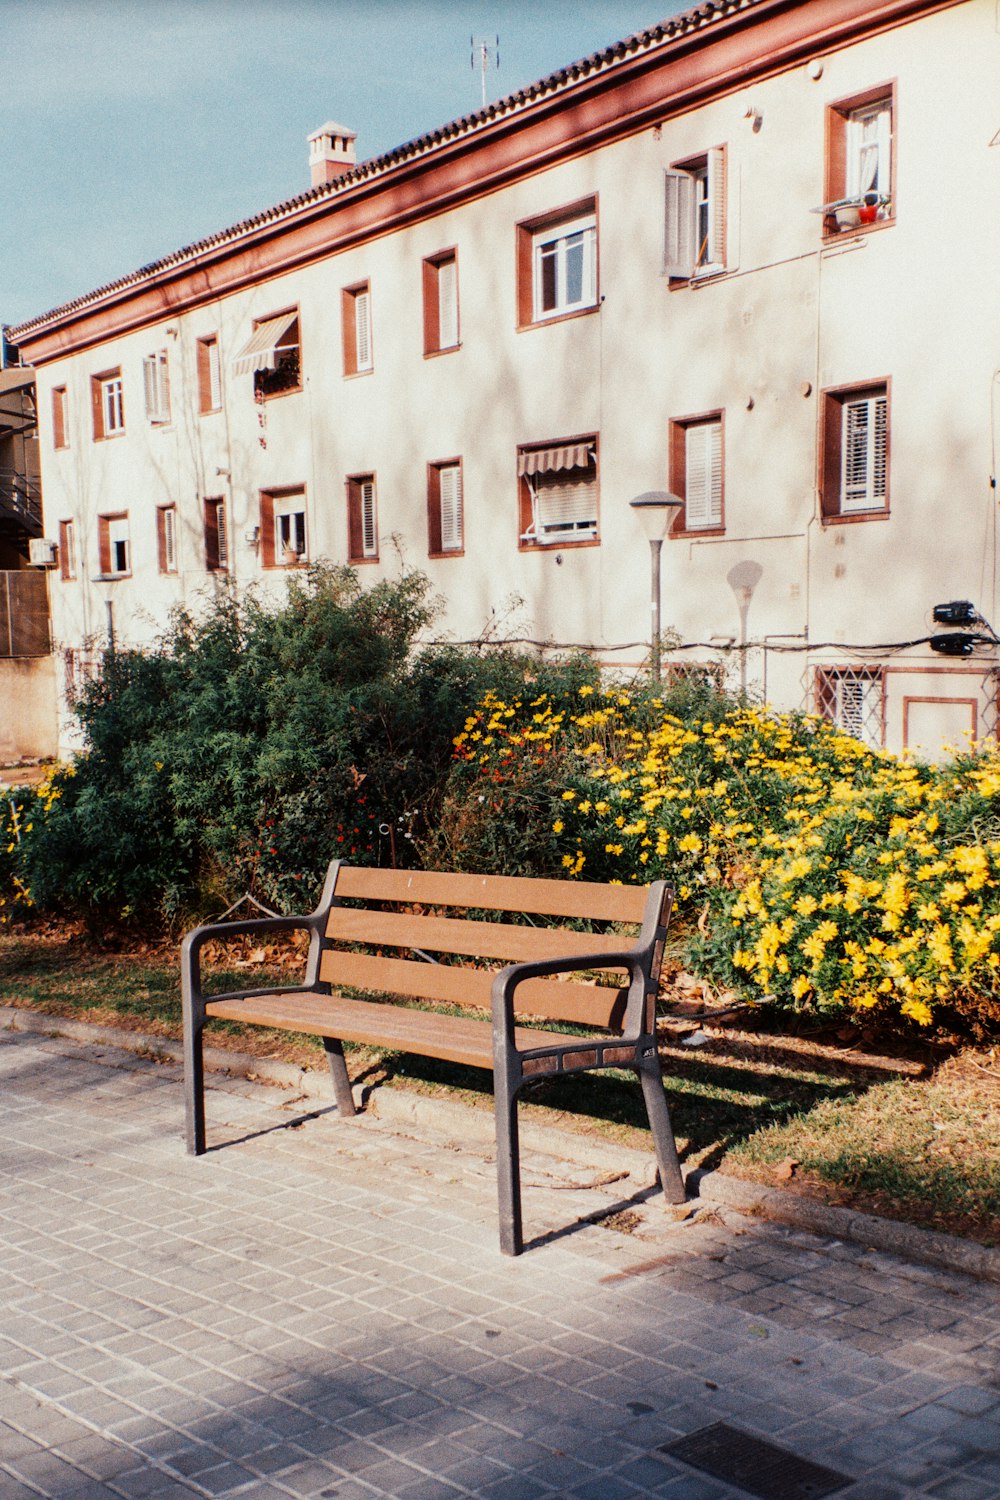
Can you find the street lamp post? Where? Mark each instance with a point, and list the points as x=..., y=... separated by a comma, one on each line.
x=652, y=509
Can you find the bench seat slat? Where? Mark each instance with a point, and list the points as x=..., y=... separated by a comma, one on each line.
x=555, y=898
x=553, y=999
x=457, y=1039
x=458, y=935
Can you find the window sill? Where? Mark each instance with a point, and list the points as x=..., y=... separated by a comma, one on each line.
x=441, y=556
x=262, y=399
x=852, y=517
x=359, y=374
x=111, y=577
x=108, y=437
x=700, y=278
x=684, y=533
x=213, y=411
x=436, y=353
x=360, y=562
x=565, y=317
x=560, y=546
x=837, y=235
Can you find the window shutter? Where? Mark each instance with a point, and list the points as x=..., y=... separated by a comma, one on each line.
x=565, y=505
x=696, y=489
x=151, y=388
x=863, y=460
x=678, y=223
x=717, y=206
x=369, y=538
x=881, y=443
x=104, y=545
x=214, y=376
x=447, y=304
x=854, y=459
x=363, y=330
x=451, y=508
x=222, y=534
x=170, y=539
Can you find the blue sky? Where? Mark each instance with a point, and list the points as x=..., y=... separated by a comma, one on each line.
x=131, y=128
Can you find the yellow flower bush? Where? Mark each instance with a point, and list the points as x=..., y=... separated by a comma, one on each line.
x=827, y=876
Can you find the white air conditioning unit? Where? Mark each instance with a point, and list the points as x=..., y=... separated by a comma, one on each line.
x=41, y=552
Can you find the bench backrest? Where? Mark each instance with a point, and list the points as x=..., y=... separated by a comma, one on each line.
x=383, y=926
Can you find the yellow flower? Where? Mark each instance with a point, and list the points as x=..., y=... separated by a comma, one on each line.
x=690, y=843
x=557, y=826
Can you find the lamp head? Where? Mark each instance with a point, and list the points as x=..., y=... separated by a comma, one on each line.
x=653, y=509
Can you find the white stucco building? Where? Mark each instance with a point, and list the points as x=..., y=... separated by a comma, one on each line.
x=471, y=353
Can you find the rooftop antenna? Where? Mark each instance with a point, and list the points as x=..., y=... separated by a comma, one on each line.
x=485, y=54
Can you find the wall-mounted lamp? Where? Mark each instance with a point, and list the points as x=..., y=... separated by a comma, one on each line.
x=222, y=473
x=253, y=536
x=653, y=509
x=755, y=117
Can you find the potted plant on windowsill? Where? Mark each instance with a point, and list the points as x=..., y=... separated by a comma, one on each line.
x=852, y=213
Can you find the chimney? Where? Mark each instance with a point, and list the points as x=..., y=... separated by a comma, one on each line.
x=331, y=152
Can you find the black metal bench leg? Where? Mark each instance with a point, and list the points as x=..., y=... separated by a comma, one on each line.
x=338, y=1072
x=662, y=1131
x=194, y=1086
x=508, y=1168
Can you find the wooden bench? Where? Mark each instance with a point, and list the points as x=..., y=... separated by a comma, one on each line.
x=410, y=936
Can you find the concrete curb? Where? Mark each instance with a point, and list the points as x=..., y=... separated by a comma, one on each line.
x=403, y=1107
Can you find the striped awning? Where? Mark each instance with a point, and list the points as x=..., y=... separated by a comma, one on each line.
x=260, y=352
x=556, y=460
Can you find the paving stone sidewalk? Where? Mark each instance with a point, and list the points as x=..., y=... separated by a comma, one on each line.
x=319, y=1309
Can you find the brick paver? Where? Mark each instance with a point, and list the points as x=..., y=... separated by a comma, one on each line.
x=320, y=1309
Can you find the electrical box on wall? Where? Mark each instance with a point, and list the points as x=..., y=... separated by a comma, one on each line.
x=958, y=612
x=959, y=644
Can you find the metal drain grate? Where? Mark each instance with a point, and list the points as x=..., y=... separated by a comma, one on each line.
x=758, y=1467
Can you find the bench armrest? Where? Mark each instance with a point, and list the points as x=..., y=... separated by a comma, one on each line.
x=194, y=941
x=635, y=960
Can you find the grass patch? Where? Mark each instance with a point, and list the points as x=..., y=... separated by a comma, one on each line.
x=924, y=1150
x=916, y=1139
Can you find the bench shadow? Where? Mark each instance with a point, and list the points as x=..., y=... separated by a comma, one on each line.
x=714, y=1102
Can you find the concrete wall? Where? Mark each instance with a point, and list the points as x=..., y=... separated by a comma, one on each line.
x=27, y=708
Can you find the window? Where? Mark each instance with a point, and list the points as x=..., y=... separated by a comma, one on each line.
x=441, y=302
x=284, y=541
x=357, y=320
x=60, y=438
x=852, y=699
x=107, y=404
x=67, y=549
x=362, y=519
x=273, y=355
x=156, y=384
x=209, y=375
x=166, y=538
x=115, y=555
x=444, y=508
x=557, y=264
x=216, y=535
x=854, y=469
x=859, y=166
x=696, y=472
x=694, y=203
x=558, y=493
